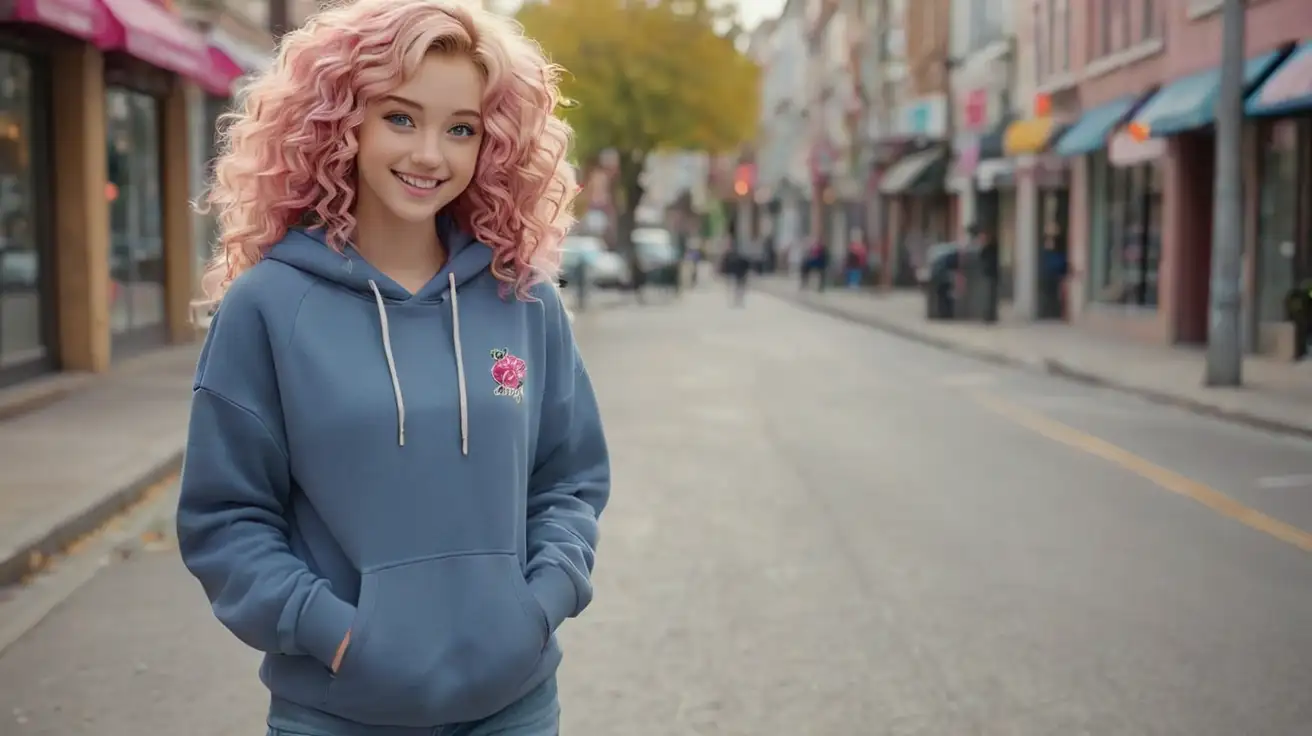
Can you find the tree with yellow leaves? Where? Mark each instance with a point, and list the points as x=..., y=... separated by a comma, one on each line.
x=646, y=75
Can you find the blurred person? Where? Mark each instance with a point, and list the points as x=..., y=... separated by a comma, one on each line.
x=738, y=268
x=395, y=461
x=986, y=248
x=856, y=258
x=1055, y=268
x=816, y=261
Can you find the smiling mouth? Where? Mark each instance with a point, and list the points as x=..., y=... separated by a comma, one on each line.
x=418, y=182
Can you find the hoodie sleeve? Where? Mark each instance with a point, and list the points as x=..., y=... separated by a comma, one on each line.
x=236, y=485
x=570, y=483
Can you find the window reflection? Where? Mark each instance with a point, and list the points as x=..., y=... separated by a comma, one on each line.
x=21, y=329
x=136, y=243
x=1131, y=243
x=1277, y=220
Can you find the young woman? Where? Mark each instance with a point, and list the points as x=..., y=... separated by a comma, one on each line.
x=395, y=464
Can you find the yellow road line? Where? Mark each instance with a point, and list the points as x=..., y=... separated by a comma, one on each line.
x=1167, y=479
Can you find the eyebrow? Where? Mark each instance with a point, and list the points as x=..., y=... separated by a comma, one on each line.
x=416, y=106
x=403, y=101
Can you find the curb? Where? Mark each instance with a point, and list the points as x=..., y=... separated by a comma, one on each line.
x=27, y=607
x=1053, y=367
x=17, y=558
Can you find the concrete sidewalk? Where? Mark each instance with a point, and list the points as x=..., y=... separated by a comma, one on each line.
x=68, y=467
x=1276, y=395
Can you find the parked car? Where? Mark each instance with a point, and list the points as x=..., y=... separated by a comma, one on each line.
x=605, y=269
x=656, y=255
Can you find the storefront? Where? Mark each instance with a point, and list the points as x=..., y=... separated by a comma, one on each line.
x=94, y=198
x=136, y=219
x=1040, y=217
x=1176, y=133
x=1082, y=145
x=1125, y=243
x=1282, y=260
x=31, y=34
x=144, y=71
x=919, y=208
x=26, y=315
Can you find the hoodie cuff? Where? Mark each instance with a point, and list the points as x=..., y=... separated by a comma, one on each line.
x=323, y=624
x=555, y=592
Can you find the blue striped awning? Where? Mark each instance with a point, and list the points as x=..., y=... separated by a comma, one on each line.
x=1091, y=131
x=1288, y=89
x=1190, y=103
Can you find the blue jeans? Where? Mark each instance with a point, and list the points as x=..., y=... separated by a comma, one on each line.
x=535, y=714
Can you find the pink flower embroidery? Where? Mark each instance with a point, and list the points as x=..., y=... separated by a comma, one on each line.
x=509, y=372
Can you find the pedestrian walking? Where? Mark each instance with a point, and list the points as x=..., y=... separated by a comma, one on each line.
x=395, y=461
x=738, y=268
x=857, y=255
x=817, y=261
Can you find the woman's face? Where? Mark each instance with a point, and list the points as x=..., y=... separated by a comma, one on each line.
x=419, y=143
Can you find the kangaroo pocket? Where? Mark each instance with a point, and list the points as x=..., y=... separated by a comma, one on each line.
x=441, y=640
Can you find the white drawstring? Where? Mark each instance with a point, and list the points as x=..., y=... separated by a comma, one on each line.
x=391, y=364
x=396, y=381
x=460, y=366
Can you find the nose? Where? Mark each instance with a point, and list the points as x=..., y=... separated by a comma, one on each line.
x=429, y=153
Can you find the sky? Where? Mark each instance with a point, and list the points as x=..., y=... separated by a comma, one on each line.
x=752, y=12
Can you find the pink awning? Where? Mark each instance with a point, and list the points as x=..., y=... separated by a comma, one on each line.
x=149, y=32
x=84, y=19
x=223, y=71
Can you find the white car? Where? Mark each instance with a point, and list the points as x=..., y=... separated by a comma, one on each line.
x=605, y=269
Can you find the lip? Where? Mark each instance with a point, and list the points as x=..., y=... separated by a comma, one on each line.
x=415, y=191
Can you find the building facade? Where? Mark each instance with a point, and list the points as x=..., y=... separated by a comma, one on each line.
x=1141, y=209
x=915, y=151
x=97, y=255
x=983, y=79
x=783, y=184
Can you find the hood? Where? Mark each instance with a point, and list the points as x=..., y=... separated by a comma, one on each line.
x=306, y=249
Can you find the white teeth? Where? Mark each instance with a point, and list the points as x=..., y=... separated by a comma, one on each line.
x=418, y=183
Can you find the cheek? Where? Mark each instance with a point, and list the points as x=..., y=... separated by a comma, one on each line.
x=464, y=160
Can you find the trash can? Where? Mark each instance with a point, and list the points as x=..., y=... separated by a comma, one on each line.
x=979, y=293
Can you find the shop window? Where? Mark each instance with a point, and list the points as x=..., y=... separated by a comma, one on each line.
x=23, y=315
x=1128, y=244
x=1278, y=227
x=136, y=219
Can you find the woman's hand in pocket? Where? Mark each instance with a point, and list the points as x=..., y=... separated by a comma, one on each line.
x=341, y=651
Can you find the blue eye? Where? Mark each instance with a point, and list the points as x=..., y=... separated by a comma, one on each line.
x=464, y=130
x=400, y=119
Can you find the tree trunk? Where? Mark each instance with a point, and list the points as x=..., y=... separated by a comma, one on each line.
x=629, y=195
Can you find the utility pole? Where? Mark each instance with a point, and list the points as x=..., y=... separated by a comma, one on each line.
x=950, y=66
x=1224, y=349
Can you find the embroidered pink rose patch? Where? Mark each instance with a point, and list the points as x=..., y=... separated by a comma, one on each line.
x=509, y=372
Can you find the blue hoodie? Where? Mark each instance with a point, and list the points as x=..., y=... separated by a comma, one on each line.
x=425, y=470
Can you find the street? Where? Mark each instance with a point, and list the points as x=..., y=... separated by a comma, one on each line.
x=818, y=528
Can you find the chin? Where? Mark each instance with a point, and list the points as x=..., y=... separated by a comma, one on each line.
x=409, y=212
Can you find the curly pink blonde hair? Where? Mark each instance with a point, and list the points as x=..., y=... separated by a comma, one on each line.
x=287, y=154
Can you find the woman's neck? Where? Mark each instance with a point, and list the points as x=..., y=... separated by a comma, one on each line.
x=409, y=253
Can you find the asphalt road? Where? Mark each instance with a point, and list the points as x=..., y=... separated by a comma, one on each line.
x=821, y=529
